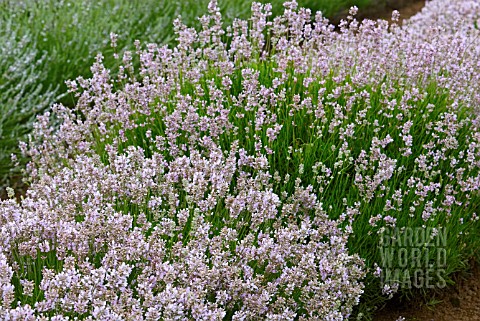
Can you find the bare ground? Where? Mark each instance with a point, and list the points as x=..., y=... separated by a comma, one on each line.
x=460, y=302
x=407, y=8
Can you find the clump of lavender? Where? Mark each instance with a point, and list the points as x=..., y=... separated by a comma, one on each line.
x=21, y=97
x=247, y=172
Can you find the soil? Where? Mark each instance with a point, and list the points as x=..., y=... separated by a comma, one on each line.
x=384, y=9
x=460, y=302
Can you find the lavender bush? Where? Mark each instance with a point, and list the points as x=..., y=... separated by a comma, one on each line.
x=248, y=172
x=21, y=95
x=46, y=42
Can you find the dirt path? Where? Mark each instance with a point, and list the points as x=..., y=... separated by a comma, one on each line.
x=457, y=303
x=407, y=8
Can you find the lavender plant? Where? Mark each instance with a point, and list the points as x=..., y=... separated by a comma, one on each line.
x=249, y=171
x=57, y=40
x=21, y=97
x=73, y=32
